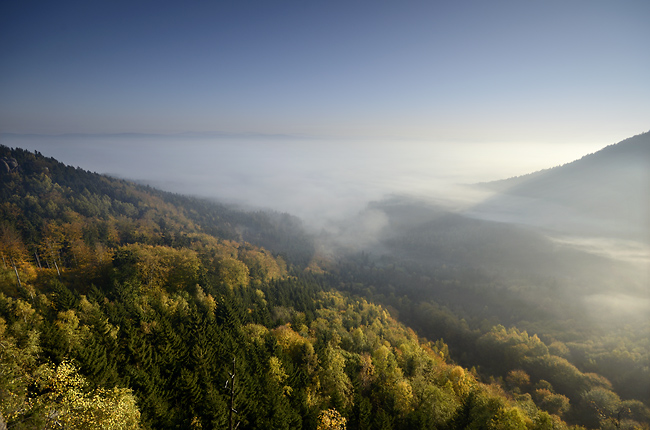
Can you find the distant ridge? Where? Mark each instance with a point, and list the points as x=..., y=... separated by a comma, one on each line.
x=636, y=149
x=185, y=134
x=605, y=193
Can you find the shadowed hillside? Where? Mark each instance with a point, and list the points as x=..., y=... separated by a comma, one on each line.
x=602, y=194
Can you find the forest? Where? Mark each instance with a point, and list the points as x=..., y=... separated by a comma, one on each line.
x=126, y=307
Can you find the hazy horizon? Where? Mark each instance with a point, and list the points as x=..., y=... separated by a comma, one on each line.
x=316, y=109
x=315, y=179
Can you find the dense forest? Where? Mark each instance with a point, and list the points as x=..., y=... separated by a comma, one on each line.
x=125, y=307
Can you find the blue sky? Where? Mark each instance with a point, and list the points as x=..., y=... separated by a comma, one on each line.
x=547, y=71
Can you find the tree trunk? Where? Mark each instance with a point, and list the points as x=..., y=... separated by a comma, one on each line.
x=57, y=268
x=54, y=259
x=232, y=398
x=20, y=285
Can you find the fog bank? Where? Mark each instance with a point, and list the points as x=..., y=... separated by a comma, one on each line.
x=314, y=178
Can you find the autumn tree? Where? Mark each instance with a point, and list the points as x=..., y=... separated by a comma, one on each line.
x=331, y=419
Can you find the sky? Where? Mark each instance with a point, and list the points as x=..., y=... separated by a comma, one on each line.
x=552, y=71
x=312, y=106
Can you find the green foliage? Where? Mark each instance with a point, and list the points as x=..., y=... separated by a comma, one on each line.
x=135, y=303
x=37, y=395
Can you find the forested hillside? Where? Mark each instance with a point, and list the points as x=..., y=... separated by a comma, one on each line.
x=604, y=194
x=124, y=307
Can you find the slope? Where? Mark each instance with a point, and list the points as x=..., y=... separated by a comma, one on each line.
x=119, y=310
x=124, y=306
x=602, y=194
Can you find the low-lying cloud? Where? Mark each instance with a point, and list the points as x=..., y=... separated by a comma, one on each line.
x=312, y=178
x=329, y=183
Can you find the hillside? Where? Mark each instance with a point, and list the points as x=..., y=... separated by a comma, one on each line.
x=125, y=307
x=603, y=194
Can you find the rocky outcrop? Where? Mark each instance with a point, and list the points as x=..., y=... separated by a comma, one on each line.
x=8, y=165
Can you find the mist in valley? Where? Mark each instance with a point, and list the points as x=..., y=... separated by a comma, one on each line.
x=298, y=179
x=317, y=179
x=414, y=201
x=424, y=230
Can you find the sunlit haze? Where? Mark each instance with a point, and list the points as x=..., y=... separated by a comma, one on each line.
x=315, y=179
x=318, y=108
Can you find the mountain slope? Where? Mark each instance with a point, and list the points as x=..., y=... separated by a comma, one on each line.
x=602, y=194
x=124, y=306
x=120, y=309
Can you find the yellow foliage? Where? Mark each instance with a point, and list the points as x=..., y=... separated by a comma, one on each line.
x=335, y=382
x=233, y=272
x=165, y=267
x=263, y=264
x=461, y=382
x=207, y=301
x=288, y=339
x=367, y=372
x=255, y=332
x=67, y=403
x=11, y=245
x=277, y=374
x=331, y=419
x=196, y=424
x=403, y=397
x=509, y=419
x=68, y=323
x=301, y=350
x=23, y=310
x=276, y=371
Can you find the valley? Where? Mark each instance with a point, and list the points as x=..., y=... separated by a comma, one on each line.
x=126, y=304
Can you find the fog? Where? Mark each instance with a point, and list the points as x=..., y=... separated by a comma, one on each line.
x=329, y=183
x=624, y=250
x=317, y=179
x=342, y=190
x=611, y=308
